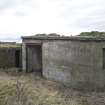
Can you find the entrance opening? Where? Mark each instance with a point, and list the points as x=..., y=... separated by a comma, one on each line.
x=103, y=58
x=34, y=58
x=17, y=58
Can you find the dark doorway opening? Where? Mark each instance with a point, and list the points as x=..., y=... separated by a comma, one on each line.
x=34, y=58
x=103, y=58
x=17, y=58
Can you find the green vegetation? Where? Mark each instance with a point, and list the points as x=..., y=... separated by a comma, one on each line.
x=93, y=33
x=54, y=35
x=10, y=45
x=48, y=35
x=32, y=89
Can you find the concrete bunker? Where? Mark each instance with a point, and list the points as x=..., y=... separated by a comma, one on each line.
x=34, y=58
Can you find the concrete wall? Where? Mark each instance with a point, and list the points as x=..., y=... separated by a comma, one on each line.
x=8, y=57
x=24, y=57
x=75, y=63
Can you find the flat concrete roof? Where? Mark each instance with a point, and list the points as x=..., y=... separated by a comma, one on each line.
x=47, y=37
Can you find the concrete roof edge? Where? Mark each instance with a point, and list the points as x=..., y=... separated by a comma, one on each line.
x=63, y=38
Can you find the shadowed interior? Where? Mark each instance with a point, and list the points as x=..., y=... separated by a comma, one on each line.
x=34, y=58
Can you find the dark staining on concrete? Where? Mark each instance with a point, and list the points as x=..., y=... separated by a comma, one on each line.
x=10, y=55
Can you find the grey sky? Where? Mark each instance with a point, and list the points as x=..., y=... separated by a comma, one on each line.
x=28, y=17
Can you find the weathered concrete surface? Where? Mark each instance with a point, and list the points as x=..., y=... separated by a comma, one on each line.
x=8, y=57
x=24, y=57
x=76, y=63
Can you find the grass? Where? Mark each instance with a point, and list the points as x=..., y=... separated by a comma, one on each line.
x=32, y=89
x=15, y=45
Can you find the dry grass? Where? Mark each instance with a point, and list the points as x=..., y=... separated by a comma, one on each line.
x=32, y=89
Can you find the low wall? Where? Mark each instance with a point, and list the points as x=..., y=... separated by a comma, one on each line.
x=8, y=57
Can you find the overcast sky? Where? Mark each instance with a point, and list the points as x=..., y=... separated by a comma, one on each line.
x=28, y=17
